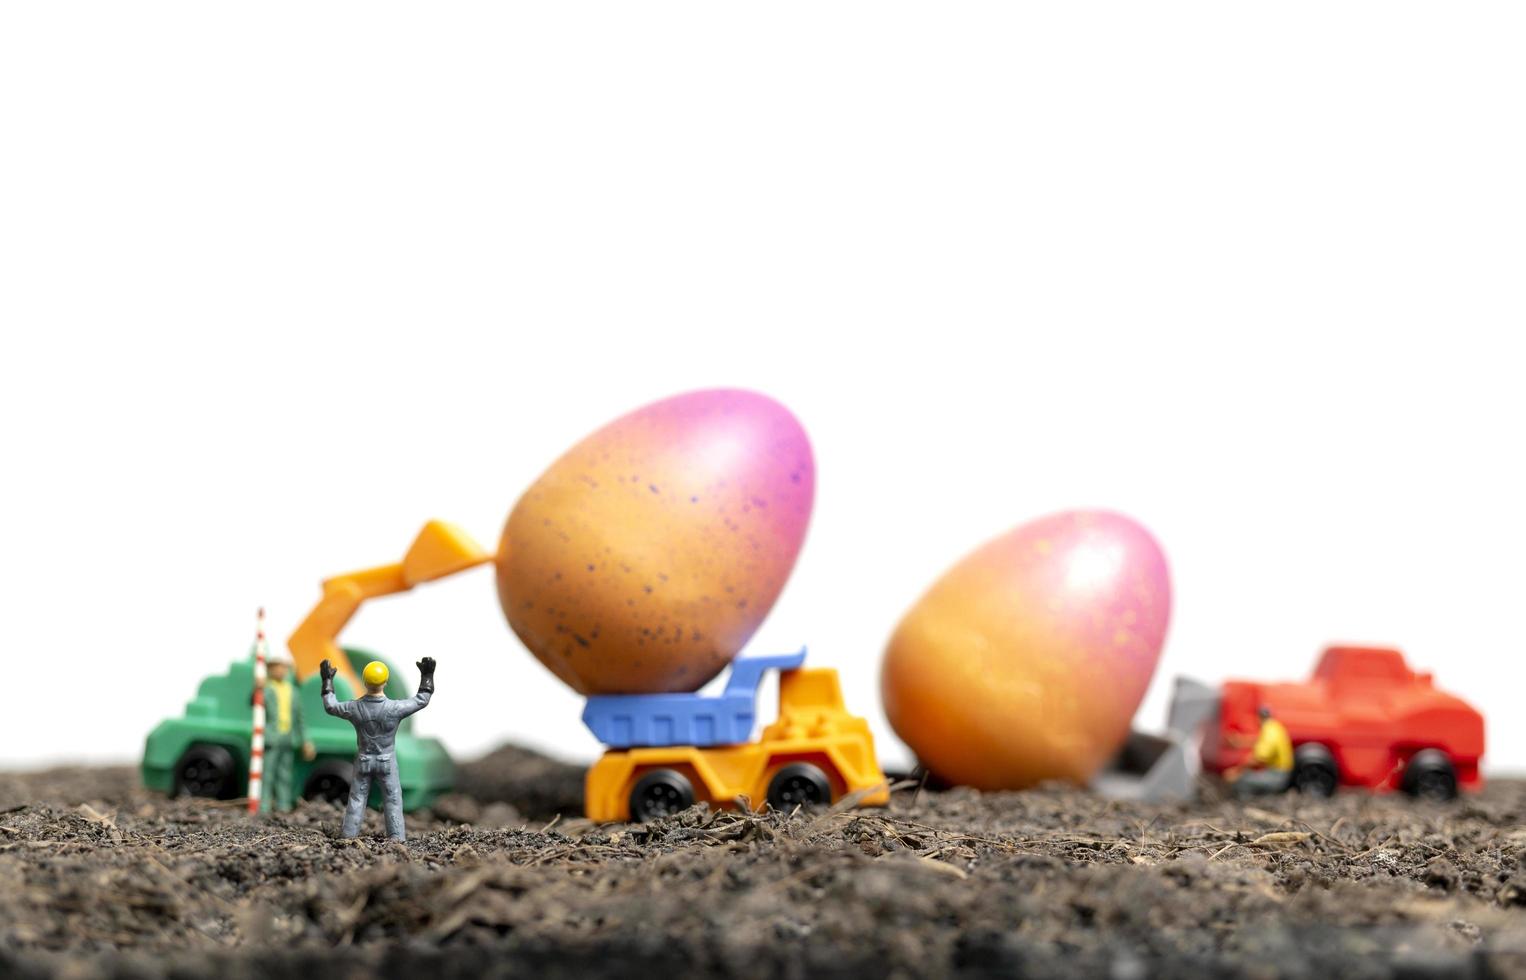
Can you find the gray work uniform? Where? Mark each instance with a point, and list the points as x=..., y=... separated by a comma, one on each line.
x=1263, y=782
x=375, y=718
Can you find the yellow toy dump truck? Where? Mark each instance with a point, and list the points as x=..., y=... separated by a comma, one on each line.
x=669, y=751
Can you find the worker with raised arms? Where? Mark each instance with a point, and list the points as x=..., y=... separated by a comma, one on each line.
x=375, y=717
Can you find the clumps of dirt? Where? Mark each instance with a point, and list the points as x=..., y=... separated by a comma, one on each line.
x=535, y=785
x=459, y=808
x=1054, y=881
x=69, y=785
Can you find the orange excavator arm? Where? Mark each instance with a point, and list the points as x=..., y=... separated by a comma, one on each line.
x=440, y=549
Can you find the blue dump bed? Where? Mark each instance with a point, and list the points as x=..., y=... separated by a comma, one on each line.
x=625, y=721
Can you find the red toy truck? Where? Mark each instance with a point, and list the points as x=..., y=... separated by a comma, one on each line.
x=1365, y=719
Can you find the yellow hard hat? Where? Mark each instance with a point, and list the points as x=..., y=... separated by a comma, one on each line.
x=376, y=673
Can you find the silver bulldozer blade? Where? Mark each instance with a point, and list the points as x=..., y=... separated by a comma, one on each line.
x=1159, y=768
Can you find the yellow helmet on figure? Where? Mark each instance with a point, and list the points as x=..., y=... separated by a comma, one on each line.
x=376, y=674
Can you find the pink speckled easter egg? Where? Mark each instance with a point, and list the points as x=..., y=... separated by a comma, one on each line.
x=1027, y=659
x=644, y=558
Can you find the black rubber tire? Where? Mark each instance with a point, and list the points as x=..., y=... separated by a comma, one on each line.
x=660, y=793
x=1314, y=771
x=329, y=781
x=208, y=771
x=1430, y=775
x=799, y=784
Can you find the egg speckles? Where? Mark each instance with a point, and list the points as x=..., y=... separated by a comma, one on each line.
x=1027, y=659
x=646, y=556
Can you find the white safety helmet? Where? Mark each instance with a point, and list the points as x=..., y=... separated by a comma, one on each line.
x=278, y=656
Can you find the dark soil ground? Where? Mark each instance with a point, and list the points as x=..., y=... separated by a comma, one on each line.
x=99, y=878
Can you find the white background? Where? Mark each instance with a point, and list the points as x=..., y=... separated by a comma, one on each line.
x=280, y=282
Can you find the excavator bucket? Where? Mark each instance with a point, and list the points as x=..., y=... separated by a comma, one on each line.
x=440, y=549
x=1157, y=768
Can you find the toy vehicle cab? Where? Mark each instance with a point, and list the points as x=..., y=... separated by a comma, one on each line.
x=669, y=751
x=1364, y=719
x=205, y=752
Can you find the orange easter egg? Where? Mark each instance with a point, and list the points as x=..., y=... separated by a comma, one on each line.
x=1027, y=660
x=646, y=556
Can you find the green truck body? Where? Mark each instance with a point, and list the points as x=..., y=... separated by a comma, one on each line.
x=206, y=751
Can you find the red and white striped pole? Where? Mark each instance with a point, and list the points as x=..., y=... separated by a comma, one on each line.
x=257, y=743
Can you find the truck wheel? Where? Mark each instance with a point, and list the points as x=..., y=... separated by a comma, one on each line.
x=798, y=784
x=207, y=771
x=660, y=793
x=1314, y=770
x=1430, y=776
x=329, y=781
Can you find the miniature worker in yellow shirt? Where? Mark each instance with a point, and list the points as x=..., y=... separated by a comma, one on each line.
x=284, y=731
x=1271, y=760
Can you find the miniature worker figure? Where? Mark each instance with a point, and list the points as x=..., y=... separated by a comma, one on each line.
x=284, y=732
x=1271, y=765
x=375, y=717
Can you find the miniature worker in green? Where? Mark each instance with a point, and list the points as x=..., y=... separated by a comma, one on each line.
x=284, y=733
